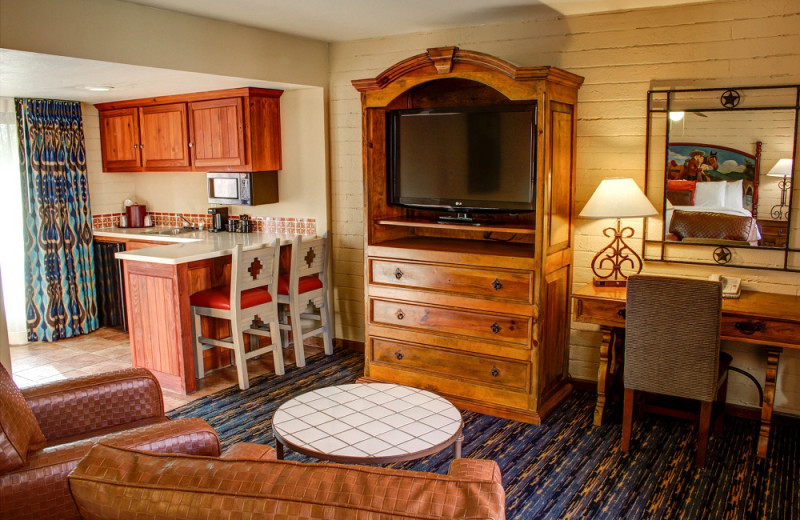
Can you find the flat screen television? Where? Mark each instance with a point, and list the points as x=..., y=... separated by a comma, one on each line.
x=464, y=160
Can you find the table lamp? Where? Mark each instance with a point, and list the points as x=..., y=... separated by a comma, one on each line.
x=617, y=198
x=783, y=168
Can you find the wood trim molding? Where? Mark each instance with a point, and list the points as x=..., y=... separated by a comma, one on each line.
x=196, y=96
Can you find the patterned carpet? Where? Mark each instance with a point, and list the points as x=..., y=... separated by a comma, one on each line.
x=565, y=468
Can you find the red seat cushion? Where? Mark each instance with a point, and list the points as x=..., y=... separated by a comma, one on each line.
x=219, y=298
x=306, y=283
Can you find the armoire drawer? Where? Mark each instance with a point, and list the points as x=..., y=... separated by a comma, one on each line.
x=475, y=282
x=498, y=327
x=482, y=370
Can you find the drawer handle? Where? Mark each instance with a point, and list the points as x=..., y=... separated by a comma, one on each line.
x=750, y=327
x=496, y=327
x=400, y=314
x=494, y=372
x=398, y=273
x=497, y=284
x=398, y=355
x=621, y=313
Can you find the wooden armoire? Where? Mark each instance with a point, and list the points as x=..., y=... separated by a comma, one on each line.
x=476, y=313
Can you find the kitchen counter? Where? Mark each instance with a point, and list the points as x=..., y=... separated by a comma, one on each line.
x=185, y=247
x=159, y=280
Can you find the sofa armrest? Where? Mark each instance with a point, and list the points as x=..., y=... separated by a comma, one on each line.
x=249, y=451
x=90, y=403
x=476, y=469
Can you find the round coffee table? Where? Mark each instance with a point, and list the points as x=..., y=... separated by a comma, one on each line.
x=372, y=423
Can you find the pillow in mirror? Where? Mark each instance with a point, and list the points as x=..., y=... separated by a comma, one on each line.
x=734, y=194
x=710, y=194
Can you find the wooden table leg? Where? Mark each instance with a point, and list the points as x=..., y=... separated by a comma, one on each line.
x=609, y=368
x=773, y=356
x=278, y=449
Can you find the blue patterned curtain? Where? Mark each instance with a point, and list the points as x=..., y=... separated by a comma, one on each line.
x=59, y=271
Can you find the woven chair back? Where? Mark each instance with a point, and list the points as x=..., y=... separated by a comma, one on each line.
x=672, y=334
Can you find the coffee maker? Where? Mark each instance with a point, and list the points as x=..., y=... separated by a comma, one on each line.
x=219, y=219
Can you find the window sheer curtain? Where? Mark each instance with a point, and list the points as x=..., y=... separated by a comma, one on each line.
x=59, y=260
x=12, y=252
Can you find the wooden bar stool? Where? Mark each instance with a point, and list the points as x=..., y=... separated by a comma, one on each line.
x=253, y=291
x=306, y=283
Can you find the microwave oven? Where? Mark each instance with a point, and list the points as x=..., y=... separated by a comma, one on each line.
x=243, y=189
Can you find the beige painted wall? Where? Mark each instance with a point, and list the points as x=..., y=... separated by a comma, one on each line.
x=301, y=182
x=621, y=55
x=123, y=32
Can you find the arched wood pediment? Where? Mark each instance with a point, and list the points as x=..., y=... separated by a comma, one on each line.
x=451, y=62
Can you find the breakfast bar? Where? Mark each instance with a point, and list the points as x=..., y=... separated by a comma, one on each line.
x=159, y=280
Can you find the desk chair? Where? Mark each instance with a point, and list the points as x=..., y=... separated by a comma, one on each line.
x=255, y=306
x=672, y=348
x=306, y=283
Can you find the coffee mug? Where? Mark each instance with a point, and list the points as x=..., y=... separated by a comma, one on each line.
x=123, y=221
x=148, y=221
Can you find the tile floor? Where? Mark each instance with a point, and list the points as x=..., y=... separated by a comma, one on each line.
x=108, y=349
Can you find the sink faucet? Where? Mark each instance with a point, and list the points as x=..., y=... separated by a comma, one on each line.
x=191, y=224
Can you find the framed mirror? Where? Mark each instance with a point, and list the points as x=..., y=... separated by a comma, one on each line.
x=720, y=167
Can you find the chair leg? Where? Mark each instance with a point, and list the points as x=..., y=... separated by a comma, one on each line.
x=722, y=398
x=277, y=348
x=238, y=354
x=198, y=347
x=325, y=318
x=703, y=431
x=283, y=318
x=627, y=419
x=297, y=332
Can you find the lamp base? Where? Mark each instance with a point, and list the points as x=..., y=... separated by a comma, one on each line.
x=597, y=282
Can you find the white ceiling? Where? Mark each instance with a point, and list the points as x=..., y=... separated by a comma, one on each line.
x=27, y=74
x=343, y=20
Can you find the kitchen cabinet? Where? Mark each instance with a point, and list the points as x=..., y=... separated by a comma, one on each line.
x=234, y=130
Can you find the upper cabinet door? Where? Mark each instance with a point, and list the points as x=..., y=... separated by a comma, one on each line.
x=165, y=137
x=119, y=139
x=218, y=133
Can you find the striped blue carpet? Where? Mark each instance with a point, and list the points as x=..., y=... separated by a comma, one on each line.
x=565, y=468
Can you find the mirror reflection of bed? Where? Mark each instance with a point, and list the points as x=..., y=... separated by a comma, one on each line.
x=712, y=194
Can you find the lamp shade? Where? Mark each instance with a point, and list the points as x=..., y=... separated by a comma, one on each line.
x=783, y=168
x=618, y=198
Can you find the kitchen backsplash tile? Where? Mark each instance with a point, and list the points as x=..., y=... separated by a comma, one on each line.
x=301, y=226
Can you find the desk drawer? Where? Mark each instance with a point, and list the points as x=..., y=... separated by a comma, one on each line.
x=498, y=327
x=768, y=332
x=483, y=370
x=602, y=312
x=474, y=282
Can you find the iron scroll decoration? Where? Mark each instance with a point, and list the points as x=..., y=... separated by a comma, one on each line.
x=616, y=256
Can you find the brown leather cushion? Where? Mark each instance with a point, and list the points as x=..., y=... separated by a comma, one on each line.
x=707, y=224
x=680, y=197
x=19, y=431
x=122, y=483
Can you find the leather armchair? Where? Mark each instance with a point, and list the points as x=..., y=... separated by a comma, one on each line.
x=46, y=430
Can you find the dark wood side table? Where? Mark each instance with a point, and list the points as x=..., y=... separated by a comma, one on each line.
x=773, y=232
x=770, y=321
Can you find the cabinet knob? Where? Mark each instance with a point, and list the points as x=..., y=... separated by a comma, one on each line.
x=496, y=328
x=141, y=146
x=749, y=328
x=399, y=355
x=497, y=284
x=400, y=314
x=135, y=146
x=191, y=144
x=398, y=273
x=494, y=371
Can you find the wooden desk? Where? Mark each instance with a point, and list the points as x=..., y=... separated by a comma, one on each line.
x=769, y=320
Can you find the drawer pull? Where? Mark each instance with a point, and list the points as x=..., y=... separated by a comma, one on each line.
x=621, y=313
x=398, y=273
x=496, y=327
x=497, y=284
x=750, y=327
x=399, y=355
x=494, y=371
x=400, y=314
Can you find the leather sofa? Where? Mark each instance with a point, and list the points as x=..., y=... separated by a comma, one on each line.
x=247, y=483
x=45, y=430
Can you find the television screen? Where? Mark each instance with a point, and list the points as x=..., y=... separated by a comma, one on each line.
x=463, y=159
